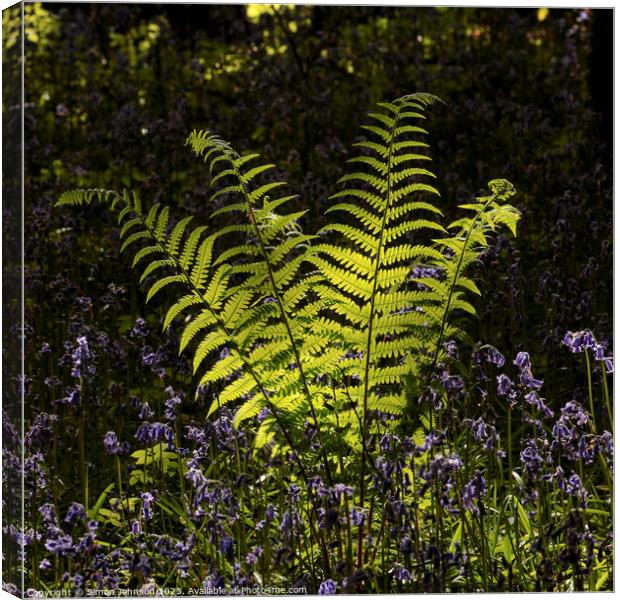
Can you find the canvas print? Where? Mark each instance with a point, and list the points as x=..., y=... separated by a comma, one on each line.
x=306, y=299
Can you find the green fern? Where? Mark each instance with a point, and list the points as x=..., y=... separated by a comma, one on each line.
x=322, y=330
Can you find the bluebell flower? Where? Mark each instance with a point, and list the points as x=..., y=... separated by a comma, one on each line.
x=147, y=506
x=406, y=545
x=401, y=574
x=474, y=490
x=149, y=358
x=357, y=517
x=327, y=587
x=75, y=511
x=252, y=556
x=483, y=432
x=451, y=348
x=72, y=397
x=504, y=385
x=490, y=354
x=227, y=547
x=532, y=458
x=145, y=412
x=538, y=403
x=522, y=361
x=60, y=544
x=113, y=446
x=80, y=359
x=529, y=381
x=48, y=512
x=451, y=383
x=140, y=328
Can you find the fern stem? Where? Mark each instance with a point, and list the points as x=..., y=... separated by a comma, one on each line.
x=369, y=337
x=444, y=319
x=285, y=319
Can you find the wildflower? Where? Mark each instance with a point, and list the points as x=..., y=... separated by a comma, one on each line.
x=113, y=446
x=532, y=458
x=72, y=397
x=529, y=381
x=226, y=547
x=140, y=329
x=406, y=545
x=522, y=361
x=401, y=574
x=80, y=359
x=48, y=512
x=579, y=341
x=149, y=358
x=40, y=431
x=76, y=511
x=327, y=587
x=357, y=517
x=147, y=506
x=252, y=556
x=171, y=404
x=539, y=404
x=491, y=355
x=85, y=303
x=483, y=432
x=450, y=348
x=504, y=385
x=473, y=490
x=146, y=412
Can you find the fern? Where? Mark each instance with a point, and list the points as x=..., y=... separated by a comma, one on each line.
x=322, y=329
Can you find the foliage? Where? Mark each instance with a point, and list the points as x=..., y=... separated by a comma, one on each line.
x=112, y=423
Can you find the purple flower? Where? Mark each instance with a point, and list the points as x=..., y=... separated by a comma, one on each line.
x=252, y=556
x=149, y=358
x=357, y=517
x=294, y=492
x=145, y=412
x=491, y=355
x=522, y=361
x=113, y=446
x=227, y=546
x=504, y=385
x=140, y=329
x=579, y=341
x=72, y=397
x=147, y=506
x=537, y=402
x=474, y=489
x=76, y=511
x=401, y=574
x=327, y=588
x=528, y=380
x=531, y=458
x=149, y=433
x=48, y=512
x=80, y=359
x=483, y=432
